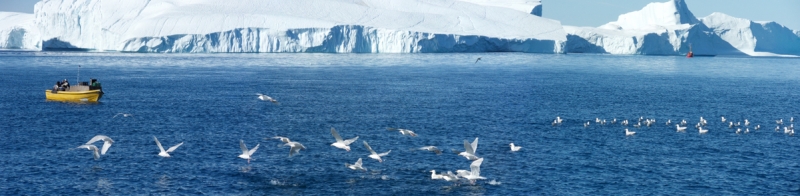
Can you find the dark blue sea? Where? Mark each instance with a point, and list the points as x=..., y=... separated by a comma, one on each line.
x=209, y=102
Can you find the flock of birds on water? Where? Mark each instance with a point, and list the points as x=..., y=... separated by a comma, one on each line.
x=469, y=152
x=683, y=125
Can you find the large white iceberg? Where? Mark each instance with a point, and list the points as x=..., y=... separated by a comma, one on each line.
x=17, y=31
x=669, y=28
x=339, y=26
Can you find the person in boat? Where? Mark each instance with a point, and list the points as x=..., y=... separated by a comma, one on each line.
x=65, y=84
x=56, y=86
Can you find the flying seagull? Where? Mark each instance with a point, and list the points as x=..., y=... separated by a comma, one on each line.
x=246, y=154
x=375, y=155
x=433, y=149
x=165, y=153
x=356, y=166
x=92, y=148
x=476, y=61
x=403, y=131
x=296, y=147
x=107, y=141
x=469, y=150
x=343, y=144
x=123, y=115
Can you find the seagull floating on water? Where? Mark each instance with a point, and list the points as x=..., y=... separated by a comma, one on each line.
x=702, y=131
x=165, y=153
x=514, y=148
x=435, y=176
x=375, y=155
x=92, y=148
x=247, y=154
x=469, y=150
x=263, y=97
x=629, y=133
x=679, y=128
x=403, y=131
x=433, y=149
x=343, y=144
x=107, y=141
x=356, y=166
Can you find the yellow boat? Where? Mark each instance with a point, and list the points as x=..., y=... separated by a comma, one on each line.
x=78, y=93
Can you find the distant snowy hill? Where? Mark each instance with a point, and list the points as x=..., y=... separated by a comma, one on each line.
x=336, y=26
x=668, y=28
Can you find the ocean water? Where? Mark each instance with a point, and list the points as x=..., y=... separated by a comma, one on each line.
x=208, y=101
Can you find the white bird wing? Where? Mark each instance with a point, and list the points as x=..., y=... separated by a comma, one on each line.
x=468, y=148
x=358, y=163
x=475, y=167
x=385, y=153
x=295, y=147
x=92, y=148
x=244, y=148
x=350, y=141
x=475, y=146
x=174, y=147
x=106, y=145
x=250, y=153
x=336, y=135
x=98, y=138
x=158, y=143
x=369, y=148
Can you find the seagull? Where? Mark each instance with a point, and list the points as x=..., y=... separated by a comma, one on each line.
x=791, y=119
x=778, y=128
x=679, y=128
x=514, y=148
x=123, y=115
x=246, y=154
x=435, y=176
x=683, y=122
x=403, y=131
x=296, y=147
x=375, y=155
x=449, y=176
x=475, y=171
x=738, y=130
x=356, y=166
x=747, y=130
x=470, y=149
x=723, y=119
x=92, y=148
x=165, y=153
x=780, y=122
x=586, y=124
x=758, y=127
x=343, y=144
x=746, y=123
x=629, y=133
x=283, y=139
x=432, y=149
x=702, y=131
x=107, y=141
x=263, y=97
x=476, y=61
x=559, y=120
x=669, y=121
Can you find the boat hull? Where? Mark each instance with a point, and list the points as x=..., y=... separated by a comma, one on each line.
x=74, y=96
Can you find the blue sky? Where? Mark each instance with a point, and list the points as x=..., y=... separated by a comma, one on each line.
x=598, y=12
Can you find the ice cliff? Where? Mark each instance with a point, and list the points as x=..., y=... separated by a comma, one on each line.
x=336, y=26
x=17, y=31
x=668, y=28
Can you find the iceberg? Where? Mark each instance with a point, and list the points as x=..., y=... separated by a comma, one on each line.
x=670, y=28
x=334, y=26
x=18, y=32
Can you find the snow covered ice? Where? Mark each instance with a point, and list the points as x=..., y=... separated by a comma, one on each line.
x=668, y=28
x=339, y=26
x=379, y=26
